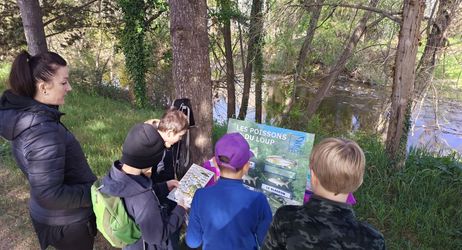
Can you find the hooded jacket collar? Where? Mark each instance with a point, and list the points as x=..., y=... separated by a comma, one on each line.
x=18, y=113
x=9, y=100
x=117, y=183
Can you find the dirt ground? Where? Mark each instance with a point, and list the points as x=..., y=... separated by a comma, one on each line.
x=16, y=231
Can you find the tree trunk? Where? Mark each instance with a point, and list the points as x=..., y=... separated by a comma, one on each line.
x=436, y=39
x=306, y=47
x=340, y=63
x=191, y=70
x=230, y=88
x=255, y=30
x=403, y=80
x=258, y=83
x=31, y=15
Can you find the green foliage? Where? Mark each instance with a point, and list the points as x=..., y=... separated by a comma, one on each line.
x=228, y=10
x=327, y=42
x=12, y=37
x=64, y=20
x=138, y=19
x=316, y=126
x=133, y=46
x=449, y=65
x=4, y=73
x=160, y=87
x=219, y=129
x=417, y=207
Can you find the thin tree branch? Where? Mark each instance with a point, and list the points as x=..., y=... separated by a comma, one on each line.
x=212, y=38
x=369, y=46
x=71, y=10
x=327, y=18
x=375, y=22
x=390, y=15
x=152, y=18
x=69, y=30
x=430, y=20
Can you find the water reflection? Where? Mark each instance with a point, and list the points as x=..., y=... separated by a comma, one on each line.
x=352, y=107
x=438, y=127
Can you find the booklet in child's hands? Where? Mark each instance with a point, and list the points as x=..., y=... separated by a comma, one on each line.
x=196, y=177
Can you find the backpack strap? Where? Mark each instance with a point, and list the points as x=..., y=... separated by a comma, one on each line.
x=99, y=184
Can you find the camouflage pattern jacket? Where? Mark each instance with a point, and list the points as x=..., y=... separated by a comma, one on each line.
x=321, y=224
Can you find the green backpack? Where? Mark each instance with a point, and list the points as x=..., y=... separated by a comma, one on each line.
x=112, y=220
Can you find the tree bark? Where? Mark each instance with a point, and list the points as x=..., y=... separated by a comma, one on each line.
x=436, y=39
x=31, y=15
x=403, y=80
x=340, y=63
x=255, y=30
x=259, y=83
x=230, y=87
x=306, y=48
x=191, y=70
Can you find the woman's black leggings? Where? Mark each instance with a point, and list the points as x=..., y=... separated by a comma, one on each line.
x=78, y=236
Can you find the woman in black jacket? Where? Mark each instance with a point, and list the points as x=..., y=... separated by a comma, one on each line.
x=47, y=152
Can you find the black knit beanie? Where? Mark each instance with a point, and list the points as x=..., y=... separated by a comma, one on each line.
x=143, y=147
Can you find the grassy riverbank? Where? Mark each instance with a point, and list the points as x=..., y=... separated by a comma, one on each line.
x=416, y=208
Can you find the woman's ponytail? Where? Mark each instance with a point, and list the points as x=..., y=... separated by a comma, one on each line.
x=21, y=80
x=27, y=70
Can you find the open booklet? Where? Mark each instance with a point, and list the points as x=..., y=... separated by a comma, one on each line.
x=196, y=177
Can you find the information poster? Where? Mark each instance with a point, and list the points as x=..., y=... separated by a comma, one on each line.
x=280, y=166
x=196, y=177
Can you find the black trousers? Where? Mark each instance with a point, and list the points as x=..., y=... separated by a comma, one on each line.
x=78, y=236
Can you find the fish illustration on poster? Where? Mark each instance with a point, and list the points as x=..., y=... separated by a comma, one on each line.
x=280, y=166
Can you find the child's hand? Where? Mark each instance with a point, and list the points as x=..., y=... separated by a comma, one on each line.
x=152, y=121
x=182, y=203
x=171, y=184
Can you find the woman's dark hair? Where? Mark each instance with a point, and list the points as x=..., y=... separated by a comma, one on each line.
x=27, y=70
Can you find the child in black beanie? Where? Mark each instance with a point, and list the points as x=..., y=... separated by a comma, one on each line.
x=130, y=179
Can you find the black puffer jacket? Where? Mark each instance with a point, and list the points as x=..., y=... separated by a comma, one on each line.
x=50, y=157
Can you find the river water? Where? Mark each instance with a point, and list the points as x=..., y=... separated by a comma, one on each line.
x=351, y=107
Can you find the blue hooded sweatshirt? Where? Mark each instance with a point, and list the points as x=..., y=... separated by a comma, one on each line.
x=144, y=207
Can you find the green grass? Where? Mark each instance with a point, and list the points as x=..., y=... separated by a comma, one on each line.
x=101, y=124
x=4, y=71
x=417, y=207
x=5, y=156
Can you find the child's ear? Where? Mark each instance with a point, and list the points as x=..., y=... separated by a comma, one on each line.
x=246, y=167
x=314, y=178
